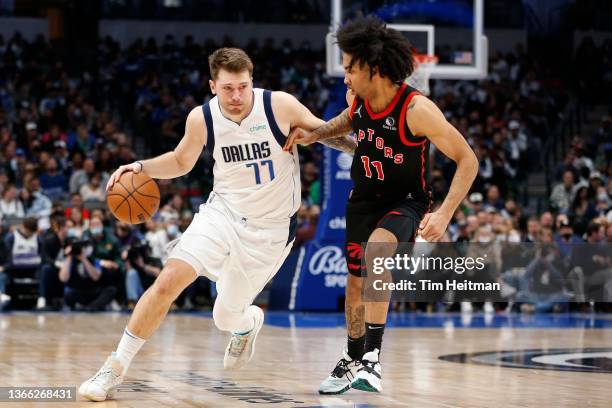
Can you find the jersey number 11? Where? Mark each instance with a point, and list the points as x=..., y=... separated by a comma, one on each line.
x=376, y=164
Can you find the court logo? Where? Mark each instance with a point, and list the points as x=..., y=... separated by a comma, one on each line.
x=389, y=123
x=591, y=360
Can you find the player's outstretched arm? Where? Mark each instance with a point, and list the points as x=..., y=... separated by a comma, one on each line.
x=334, y=128
x=306, y=128
x=424, y=118
x=177, y=162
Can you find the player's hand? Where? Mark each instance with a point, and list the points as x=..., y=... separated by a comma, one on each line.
x=433, y=225
x=299, y=136
x=135, y=167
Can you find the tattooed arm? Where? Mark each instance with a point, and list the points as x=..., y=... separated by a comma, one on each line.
x=338, y=126
x=345, y=144
x=292, y=115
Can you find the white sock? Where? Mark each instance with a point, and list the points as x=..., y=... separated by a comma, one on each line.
x=127, y=348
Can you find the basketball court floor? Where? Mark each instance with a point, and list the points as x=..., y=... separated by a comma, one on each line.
x=429, y=360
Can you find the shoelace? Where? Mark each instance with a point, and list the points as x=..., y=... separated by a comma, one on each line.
x=238, y=345
x=103, y=373
x=342, y=368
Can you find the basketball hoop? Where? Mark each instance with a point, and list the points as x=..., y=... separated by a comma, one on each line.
x=422, y=70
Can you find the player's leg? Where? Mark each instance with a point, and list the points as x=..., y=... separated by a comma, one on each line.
x=358, y=228
x=252, y=267
x=381, y=244
x=398, y=225
x=150, y=311
x=233, y=312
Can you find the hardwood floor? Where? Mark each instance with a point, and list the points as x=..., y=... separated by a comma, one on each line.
x=182, y=365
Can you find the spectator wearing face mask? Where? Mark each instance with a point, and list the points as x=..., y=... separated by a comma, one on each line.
x=83, y=275
x=172, y=230
x=106, y=249
x=79, y=224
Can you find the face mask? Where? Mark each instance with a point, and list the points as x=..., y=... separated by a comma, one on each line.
x=72, y=233
x=172, y=229
x=96, y=231
x=567, y=236
x=484, y=240
x=514, y=238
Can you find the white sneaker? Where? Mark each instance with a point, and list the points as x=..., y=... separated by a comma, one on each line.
x=488, y=308
x=368, y=377
x=339, y=381
x=241, y=347
x=104, y=384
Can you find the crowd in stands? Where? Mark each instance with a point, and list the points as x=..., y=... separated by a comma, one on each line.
x=64, y=131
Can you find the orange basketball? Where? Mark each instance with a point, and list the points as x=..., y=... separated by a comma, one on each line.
x=134, y=198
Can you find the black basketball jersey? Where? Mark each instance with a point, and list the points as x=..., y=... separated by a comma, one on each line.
x=389, y=162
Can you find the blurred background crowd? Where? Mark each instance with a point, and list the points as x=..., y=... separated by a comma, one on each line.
x=545, y=171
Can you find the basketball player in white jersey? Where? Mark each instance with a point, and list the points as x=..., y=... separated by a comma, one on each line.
x=244, y=232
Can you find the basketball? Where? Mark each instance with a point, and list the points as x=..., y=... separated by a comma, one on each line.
x=134, y=198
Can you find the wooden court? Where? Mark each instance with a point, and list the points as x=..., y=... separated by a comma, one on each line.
x=182, y=365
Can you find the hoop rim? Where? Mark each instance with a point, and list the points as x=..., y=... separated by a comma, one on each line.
x=426, y=59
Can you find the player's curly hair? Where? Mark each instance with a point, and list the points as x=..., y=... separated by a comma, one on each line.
x=369, y=41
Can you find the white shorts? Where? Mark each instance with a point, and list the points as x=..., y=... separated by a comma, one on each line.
x=240, y=254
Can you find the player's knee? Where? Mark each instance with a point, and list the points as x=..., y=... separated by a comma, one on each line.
x=382, y=244
x=224, y=319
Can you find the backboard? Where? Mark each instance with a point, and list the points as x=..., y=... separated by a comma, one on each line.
x=450, y=29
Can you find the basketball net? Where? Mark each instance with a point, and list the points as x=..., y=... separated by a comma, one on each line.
x=422, y=70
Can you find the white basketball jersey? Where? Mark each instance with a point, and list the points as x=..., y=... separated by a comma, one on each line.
x=25, y=251
x=252, y=174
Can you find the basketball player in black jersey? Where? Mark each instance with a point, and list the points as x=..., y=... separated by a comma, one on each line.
x=390, y=202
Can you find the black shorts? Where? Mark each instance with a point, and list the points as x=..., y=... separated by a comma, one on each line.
x=401, y=218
